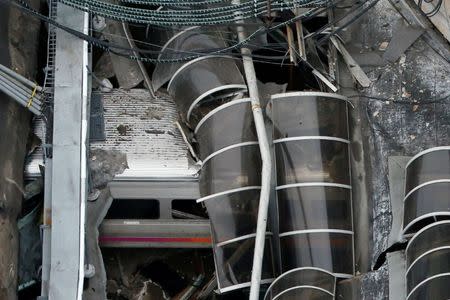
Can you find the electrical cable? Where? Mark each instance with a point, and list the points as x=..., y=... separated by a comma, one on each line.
x=114, y=48
x=109, y=47
x=434, y=11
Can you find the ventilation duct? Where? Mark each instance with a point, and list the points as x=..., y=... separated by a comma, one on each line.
x=230, y=183
x=205, y=91
x=204, y=79
x=310, y=136
x=427, y=263
x=427, y=189
x=185, y=43
x=303, y=283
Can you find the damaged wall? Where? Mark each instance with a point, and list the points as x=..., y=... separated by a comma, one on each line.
x=18, y=49
x=405, y=110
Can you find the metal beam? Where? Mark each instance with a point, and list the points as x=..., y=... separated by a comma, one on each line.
x=69, y=157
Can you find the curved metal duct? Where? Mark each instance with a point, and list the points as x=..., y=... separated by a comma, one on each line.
x=230, y=188
x=238, y=125
x=428, y=263
x=205, y=79
x=427, y=189
x=303, y=283
x=182, y=44
x=310, y=131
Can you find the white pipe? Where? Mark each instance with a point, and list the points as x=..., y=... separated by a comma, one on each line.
x=19, y=77
x=266, y=158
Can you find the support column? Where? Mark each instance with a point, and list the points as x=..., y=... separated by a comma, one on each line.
x=69, y=157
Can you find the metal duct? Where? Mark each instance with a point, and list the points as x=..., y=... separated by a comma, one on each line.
x=182, y=44
x=310, y=131
x=303, y=283
x=427, y=189
x=205, y=79
x=205, y=91
x=230, y=183
x=238, y=125
x=427, y=262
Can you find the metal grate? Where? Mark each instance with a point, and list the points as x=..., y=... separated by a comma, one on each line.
x=51, y=51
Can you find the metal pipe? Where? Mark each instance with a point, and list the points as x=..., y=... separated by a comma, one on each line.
x=25, y=90
x=17, y=90
x=23, y=100
x=141, y=66
x=19, y=77
x=266, y=158
x=13, y=94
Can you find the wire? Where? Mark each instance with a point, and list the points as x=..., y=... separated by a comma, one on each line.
x=110, y=48
x=439, y=100
x=346, y=24
x=434, y=11
x=116, y=49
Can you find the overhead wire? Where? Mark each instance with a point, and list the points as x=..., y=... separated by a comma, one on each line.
x=116, y=49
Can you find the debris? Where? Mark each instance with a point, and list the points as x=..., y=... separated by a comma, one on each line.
x=383, y=46
x=104, y=165
x=352, y=65
x=105, y=85
x=123, y=129
x=404, y=36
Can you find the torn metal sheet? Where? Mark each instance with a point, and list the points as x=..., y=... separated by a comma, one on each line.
x=403, y=37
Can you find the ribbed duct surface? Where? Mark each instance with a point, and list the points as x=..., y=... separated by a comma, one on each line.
x=310, y=131
x=303, y=283
x=428, y=263
x=427, y=189
x=208, y=92
x=230, y=186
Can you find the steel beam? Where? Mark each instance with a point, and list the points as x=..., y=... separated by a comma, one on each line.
x=69, y=157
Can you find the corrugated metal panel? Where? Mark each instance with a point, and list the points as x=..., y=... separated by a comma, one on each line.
x=142, y=127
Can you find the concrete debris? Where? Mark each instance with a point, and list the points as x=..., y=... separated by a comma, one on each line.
x=404, y=36
x=104, y=165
